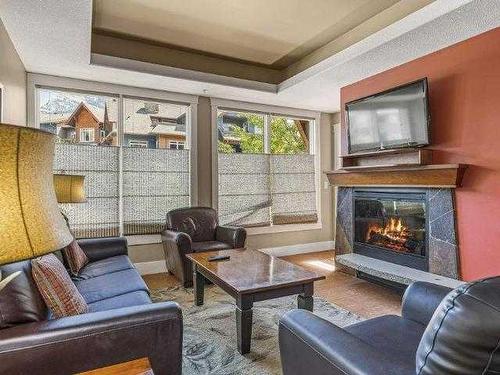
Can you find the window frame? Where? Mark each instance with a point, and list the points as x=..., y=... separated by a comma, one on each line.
x=39, y=81
x=268, y=111
x=177, y=144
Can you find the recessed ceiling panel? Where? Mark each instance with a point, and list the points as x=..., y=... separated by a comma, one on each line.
x=276, y=32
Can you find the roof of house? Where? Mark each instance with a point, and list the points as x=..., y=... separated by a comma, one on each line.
x=140, y=118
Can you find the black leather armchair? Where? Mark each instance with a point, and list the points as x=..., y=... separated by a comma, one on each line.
x=194, y=230
x=457, y=335
x=122, y=324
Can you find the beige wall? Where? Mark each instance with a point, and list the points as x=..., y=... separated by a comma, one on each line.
x=13, y=80
x=148, y=253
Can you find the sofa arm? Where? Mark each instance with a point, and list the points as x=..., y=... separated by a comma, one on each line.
x=420, y=301
x=233, y=236
x=83, y=342
x=311, y=345
x=101, y=248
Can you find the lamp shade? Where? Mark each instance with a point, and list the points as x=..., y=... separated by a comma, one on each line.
x=69, y=188
x=31, y=223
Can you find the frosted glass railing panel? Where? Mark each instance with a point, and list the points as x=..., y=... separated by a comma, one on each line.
x=244, y=189
x=155, y=181
x=99, y=216
x=293, y=189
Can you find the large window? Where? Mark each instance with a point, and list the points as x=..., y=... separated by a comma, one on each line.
x=266, y=169
x=132, y=175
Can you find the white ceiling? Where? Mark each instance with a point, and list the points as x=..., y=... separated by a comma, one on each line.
x=53, y=37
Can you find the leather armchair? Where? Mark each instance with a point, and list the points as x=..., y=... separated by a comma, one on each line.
x=192, y=230
x=440, y=332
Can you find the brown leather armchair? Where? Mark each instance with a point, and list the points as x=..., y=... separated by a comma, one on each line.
x=194, y=230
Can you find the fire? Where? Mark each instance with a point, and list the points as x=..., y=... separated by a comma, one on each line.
x=393, y=235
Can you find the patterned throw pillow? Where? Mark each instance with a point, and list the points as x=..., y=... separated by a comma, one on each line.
x=56, y=287
x=75, y=257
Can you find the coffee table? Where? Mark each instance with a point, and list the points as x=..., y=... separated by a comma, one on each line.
x=250, y=276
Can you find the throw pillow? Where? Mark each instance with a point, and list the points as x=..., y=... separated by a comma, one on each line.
x=56, y=287
x=75, y=257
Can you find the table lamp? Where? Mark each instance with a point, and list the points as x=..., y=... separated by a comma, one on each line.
x=69, y=189
x=31, y=224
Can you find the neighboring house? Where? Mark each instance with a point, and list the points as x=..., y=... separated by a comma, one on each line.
x=225, y=124
x=147, y=125
x=86, y=124
x=153, y=125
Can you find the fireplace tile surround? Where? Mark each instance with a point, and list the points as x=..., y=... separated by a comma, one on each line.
x=442, y=240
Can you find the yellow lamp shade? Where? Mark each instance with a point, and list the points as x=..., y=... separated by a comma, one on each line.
x=69, y=188
x=31, y=223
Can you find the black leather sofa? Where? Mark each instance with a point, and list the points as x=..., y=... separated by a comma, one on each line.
x=440, y=332
x=122, y=324
x=194, y=230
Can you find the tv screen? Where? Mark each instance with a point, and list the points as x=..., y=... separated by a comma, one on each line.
x=391, y=119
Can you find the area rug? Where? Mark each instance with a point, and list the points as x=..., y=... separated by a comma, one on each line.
x=210, y=331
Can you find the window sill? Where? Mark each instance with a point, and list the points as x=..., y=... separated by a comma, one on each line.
x=143, y=239
x=284, y=228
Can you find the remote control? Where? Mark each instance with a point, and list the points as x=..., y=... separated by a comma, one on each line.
x=215, y=258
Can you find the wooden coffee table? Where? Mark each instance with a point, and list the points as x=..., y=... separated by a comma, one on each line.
x=250, y=276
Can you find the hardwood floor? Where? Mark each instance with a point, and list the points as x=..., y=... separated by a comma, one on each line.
x=359, y=296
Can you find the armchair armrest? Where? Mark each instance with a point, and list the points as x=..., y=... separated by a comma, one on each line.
x=233, y=236
x=311, y=345
x=176, y=241
x=101, y=248
x=421, y=299
x=84, y=342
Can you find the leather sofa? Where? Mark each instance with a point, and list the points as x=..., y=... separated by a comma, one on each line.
x=194, y=230
x=440, y=332
x=122, y=324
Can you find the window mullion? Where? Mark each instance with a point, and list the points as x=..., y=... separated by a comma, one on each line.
x=120, y=136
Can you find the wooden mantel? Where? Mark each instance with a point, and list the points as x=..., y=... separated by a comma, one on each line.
x=436, y=176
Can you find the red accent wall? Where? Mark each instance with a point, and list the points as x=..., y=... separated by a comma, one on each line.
x=464, y=94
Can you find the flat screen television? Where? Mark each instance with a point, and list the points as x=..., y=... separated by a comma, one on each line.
x=395, y=118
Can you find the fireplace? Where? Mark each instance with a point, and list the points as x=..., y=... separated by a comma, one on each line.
x=391, y=225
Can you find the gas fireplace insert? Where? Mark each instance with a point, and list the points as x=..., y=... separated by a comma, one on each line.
x=391, y=225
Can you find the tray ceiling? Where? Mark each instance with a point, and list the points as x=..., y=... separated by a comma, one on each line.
x=272, y=33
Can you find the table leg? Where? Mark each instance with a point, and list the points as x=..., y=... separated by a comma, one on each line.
x=199, y=286
x=244, y=325
x=305, y=299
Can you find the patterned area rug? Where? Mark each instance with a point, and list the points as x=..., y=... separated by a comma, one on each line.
x=210, y=331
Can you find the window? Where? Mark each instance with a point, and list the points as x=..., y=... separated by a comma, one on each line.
x=139, y=144
x=86, y=135
x=132, y=176
x=266, y=169
x=176, y=145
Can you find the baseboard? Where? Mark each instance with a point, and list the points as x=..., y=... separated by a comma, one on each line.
x=310, y=247
x=148, y=268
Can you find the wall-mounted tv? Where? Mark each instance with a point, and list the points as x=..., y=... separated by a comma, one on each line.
x=395, y=118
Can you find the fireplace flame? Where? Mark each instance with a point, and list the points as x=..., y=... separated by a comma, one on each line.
x=393, y=235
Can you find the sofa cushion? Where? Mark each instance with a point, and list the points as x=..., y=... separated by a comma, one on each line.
x=390, y=334
x=198, y=247
x=20, y=300
x=125, y=300
x=75, y=257
x=56, y=287
x=110, y=285
x=105, y=266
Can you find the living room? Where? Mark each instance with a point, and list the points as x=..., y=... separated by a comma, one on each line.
x=311, y=188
